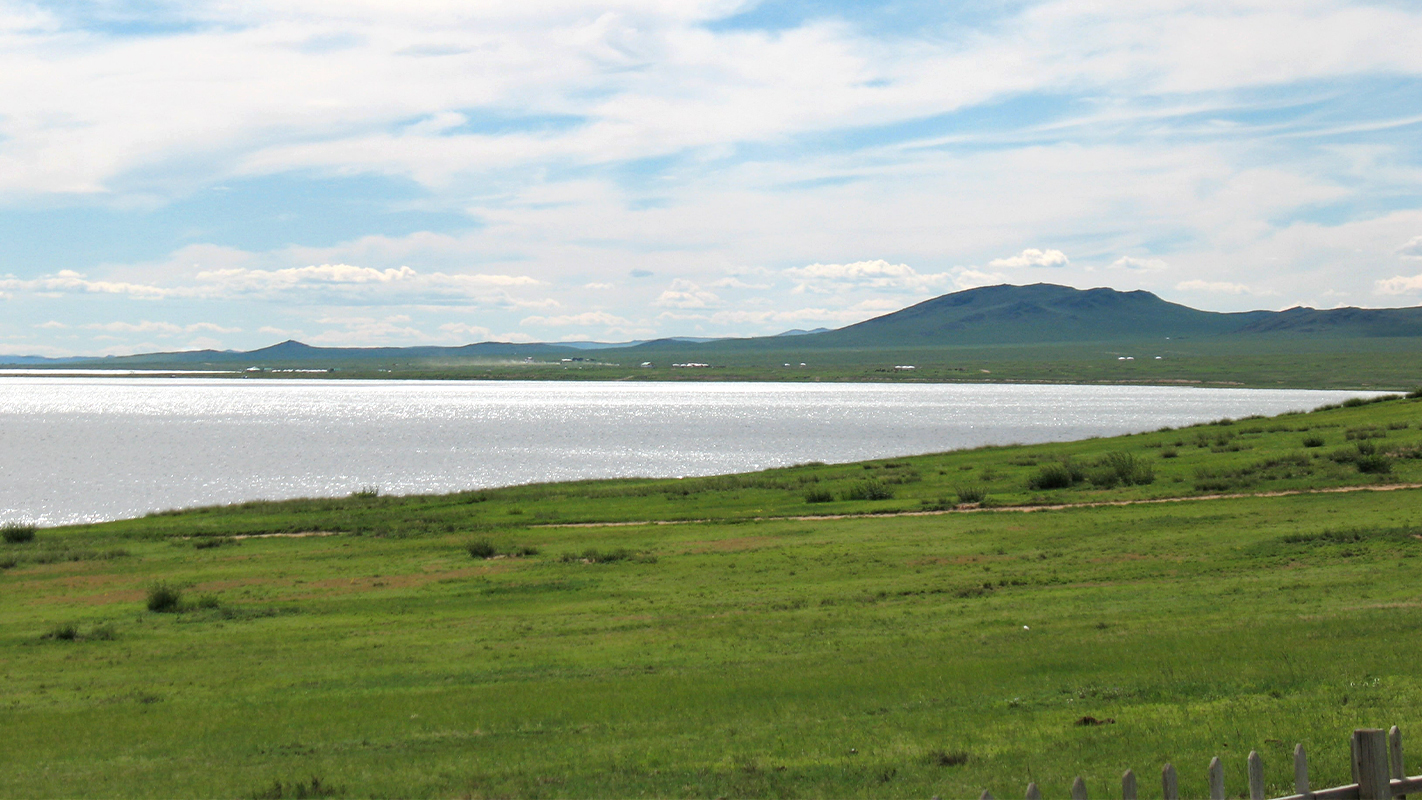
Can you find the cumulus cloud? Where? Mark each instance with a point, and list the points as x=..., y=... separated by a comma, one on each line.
x=685, y=294
x=69, y=281
x=1032, y=257
x=1139, y=264
x=1413, y=248
x=1400, y=284
x=877, y=274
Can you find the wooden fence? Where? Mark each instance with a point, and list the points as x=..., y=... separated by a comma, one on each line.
x=1378, y=774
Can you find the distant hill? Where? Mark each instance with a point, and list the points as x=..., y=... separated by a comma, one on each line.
x=1045, y=312
x=1041, y=313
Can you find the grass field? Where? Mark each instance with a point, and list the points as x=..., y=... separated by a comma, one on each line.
x=823, y=630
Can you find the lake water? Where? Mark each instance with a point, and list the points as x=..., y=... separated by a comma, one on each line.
x=91, y=448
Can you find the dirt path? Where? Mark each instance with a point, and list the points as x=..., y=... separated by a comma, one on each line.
x=990, y=510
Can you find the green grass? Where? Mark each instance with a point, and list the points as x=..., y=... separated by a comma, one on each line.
x=755, y=654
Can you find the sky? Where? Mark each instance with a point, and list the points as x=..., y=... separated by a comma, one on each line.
x=222, y=174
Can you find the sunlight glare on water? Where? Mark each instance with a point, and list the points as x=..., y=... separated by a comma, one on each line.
x=88, y=449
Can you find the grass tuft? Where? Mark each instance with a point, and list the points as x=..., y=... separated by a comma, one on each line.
x=164, y=599
x=869, y=490
x=975, y=493
x=481, y=548
x=17, y=532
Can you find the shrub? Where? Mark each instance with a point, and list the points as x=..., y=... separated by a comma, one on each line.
x=67, y=632
x=164, y=599
x=208, y=601
x=1051, y=476
x=1354, y=402
x=1169, y=452
x=525, y=550
x=1366, y=448
x=1374, y=463
x=869, y=490
x=971, y=494
x=481, y=548
x=17, y=532
x=819, y=496
x=1313, y=440
x=1127, y=468
x=1415, y=394
x=366, y=492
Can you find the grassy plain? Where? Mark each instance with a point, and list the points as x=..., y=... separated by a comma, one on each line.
x=759, y=646
x=1273, y=361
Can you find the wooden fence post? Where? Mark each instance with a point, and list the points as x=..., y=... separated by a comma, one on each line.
x=1256, y=776
x=1169, y=783
x=1300, y=770
x=1394, y=749
x=986, y=795
x=1370, y=763
x=1216, y=779
x=1078, y=789
x=1128, y=785
x=1033, y=793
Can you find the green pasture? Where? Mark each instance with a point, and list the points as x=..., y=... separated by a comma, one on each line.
x=751, y=654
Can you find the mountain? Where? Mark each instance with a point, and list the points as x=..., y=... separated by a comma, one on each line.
x=1046, y=312
x=1041, y=313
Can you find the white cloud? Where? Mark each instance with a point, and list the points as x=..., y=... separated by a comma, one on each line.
x=1218, y=287
x=1400, y=284
x=733, y=282
x=588, y=318
x=1139, y=264
x=599, y=286
x=67, y=281
x=52, y=325
x=877, y=274
x=362, y=330
x=1413, y=248
x=461, y=329
x=1032, y=257
x=685, y=294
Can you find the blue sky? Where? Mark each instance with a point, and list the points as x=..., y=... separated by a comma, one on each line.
x=209, y=174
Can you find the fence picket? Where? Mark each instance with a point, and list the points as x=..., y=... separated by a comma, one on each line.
x=1216, y=779
x=1256, y=776
x=1128, y=785
x=1370, y=762
x=1033, y=793
x=1300, y=770
x=1169, y=783
x=1394, y=749
x=1078, y=789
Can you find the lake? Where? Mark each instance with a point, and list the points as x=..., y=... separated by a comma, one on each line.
x=93, y=448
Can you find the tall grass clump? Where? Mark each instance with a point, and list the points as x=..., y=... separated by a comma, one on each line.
x=1313, y=440
x=819, y=496
x=164, y=599
x=975, y=493
x=869, y=490
x=1119, y=468
x=1056, y=475
x=17, y=532
x=481, y=548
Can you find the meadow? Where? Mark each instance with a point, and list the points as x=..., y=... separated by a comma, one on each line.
x=932, y=625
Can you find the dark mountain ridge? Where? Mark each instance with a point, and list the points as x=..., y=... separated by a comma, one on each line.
x=1040, y=313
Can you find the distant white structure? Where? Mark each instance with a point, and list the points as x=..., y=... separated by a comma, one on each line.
x=905, y=366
